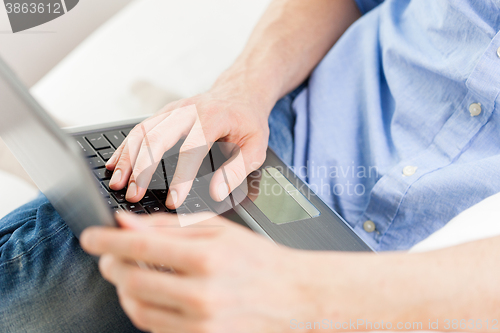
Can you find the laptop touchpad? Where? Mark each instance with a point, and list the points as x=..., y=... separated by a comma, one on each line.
x=277, y=198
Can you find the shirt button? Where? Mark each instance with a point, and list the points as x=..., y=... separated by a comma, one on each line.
x=475, y=109
x=409, y=170
x=498, y=52
x=369, y=226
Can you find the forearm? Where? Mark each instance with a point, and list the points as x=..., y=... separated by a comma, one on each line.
x=458, y=283
x=287, y=43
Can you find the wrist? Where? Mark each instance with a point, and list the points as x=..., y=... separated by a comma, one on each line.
x=256, y=86
x=348, y=287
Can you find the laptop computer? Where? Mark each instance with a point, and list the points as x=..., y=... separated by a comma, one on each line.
x=68, y=167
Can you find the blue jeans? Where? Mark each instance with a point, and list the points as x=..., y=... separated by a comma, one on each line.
x=49, y=284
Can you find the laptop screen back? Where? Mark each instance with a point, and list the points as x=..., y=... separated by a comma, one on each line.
x=49, y=156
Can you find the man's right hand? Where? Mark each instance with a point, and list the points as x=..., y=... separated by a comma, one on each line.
x=287, y=43
x=224, y=113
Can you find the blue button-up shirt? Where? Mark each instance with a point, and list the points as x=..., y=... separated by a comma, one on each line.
x=400, y=122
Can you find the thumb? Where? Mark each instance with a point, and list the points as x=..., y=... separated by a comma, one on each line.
x=233, y=172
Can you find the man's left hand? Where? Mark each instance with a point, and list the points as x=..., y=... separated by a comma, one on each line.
x=228, y=279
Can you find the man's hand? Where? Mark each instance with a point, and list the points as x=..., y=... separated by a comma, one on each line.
x=223, y=114
x=232, y=280
x=288, y=42
x=227, y=279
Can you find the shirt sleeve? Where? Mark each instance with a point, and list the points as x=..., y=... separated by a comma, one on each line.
x=366, y=5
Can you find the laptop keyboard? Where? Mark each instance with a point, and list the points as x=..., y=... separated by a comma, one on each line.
x=98, y=148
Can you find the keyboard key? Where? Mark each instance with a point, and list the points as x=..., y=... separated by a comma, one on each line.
x=182, y=211
x=126, y=132
x=198, y=182
x=173, y=159
x=98, y=141
x=103, y=192
x=106, y=154
x=203, y=210
x=103, y=174
x=157, y=183
x=148, y=198
x=85, y=147
x=95, y=162
x=169, y=169
x=111, y=203
x=118, y=210
x=116, y=138
x=133, y=208
x=161, y=194
x=119, y=195
x=191, y=195
x=105, y=184
x=195, y=205
x=155, y=208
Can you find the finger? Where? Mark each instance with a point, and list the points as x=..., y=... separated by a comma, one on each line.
x=234, y=171
x=154, y=144
x=150, y=318
x=207, y=224
x=145, y=247
x=111, y=163
x=191, y=155
x=156, y=288
x=185, y=255
x=253, y=180
x=167, y=291
x=128, y=155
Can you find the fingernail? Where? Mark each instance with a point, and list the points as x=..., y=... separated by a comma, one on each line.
x=132, y=190
x=111, y=160
x=172, y=197
x=117, y=176
x=223, y=191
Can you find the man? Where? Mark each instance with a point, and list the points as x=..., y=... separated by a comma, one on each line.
x=409, y=89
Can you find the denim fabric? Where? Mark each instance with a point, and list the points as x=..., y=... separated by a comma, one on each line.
x=393, y=92
x=47, y=282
